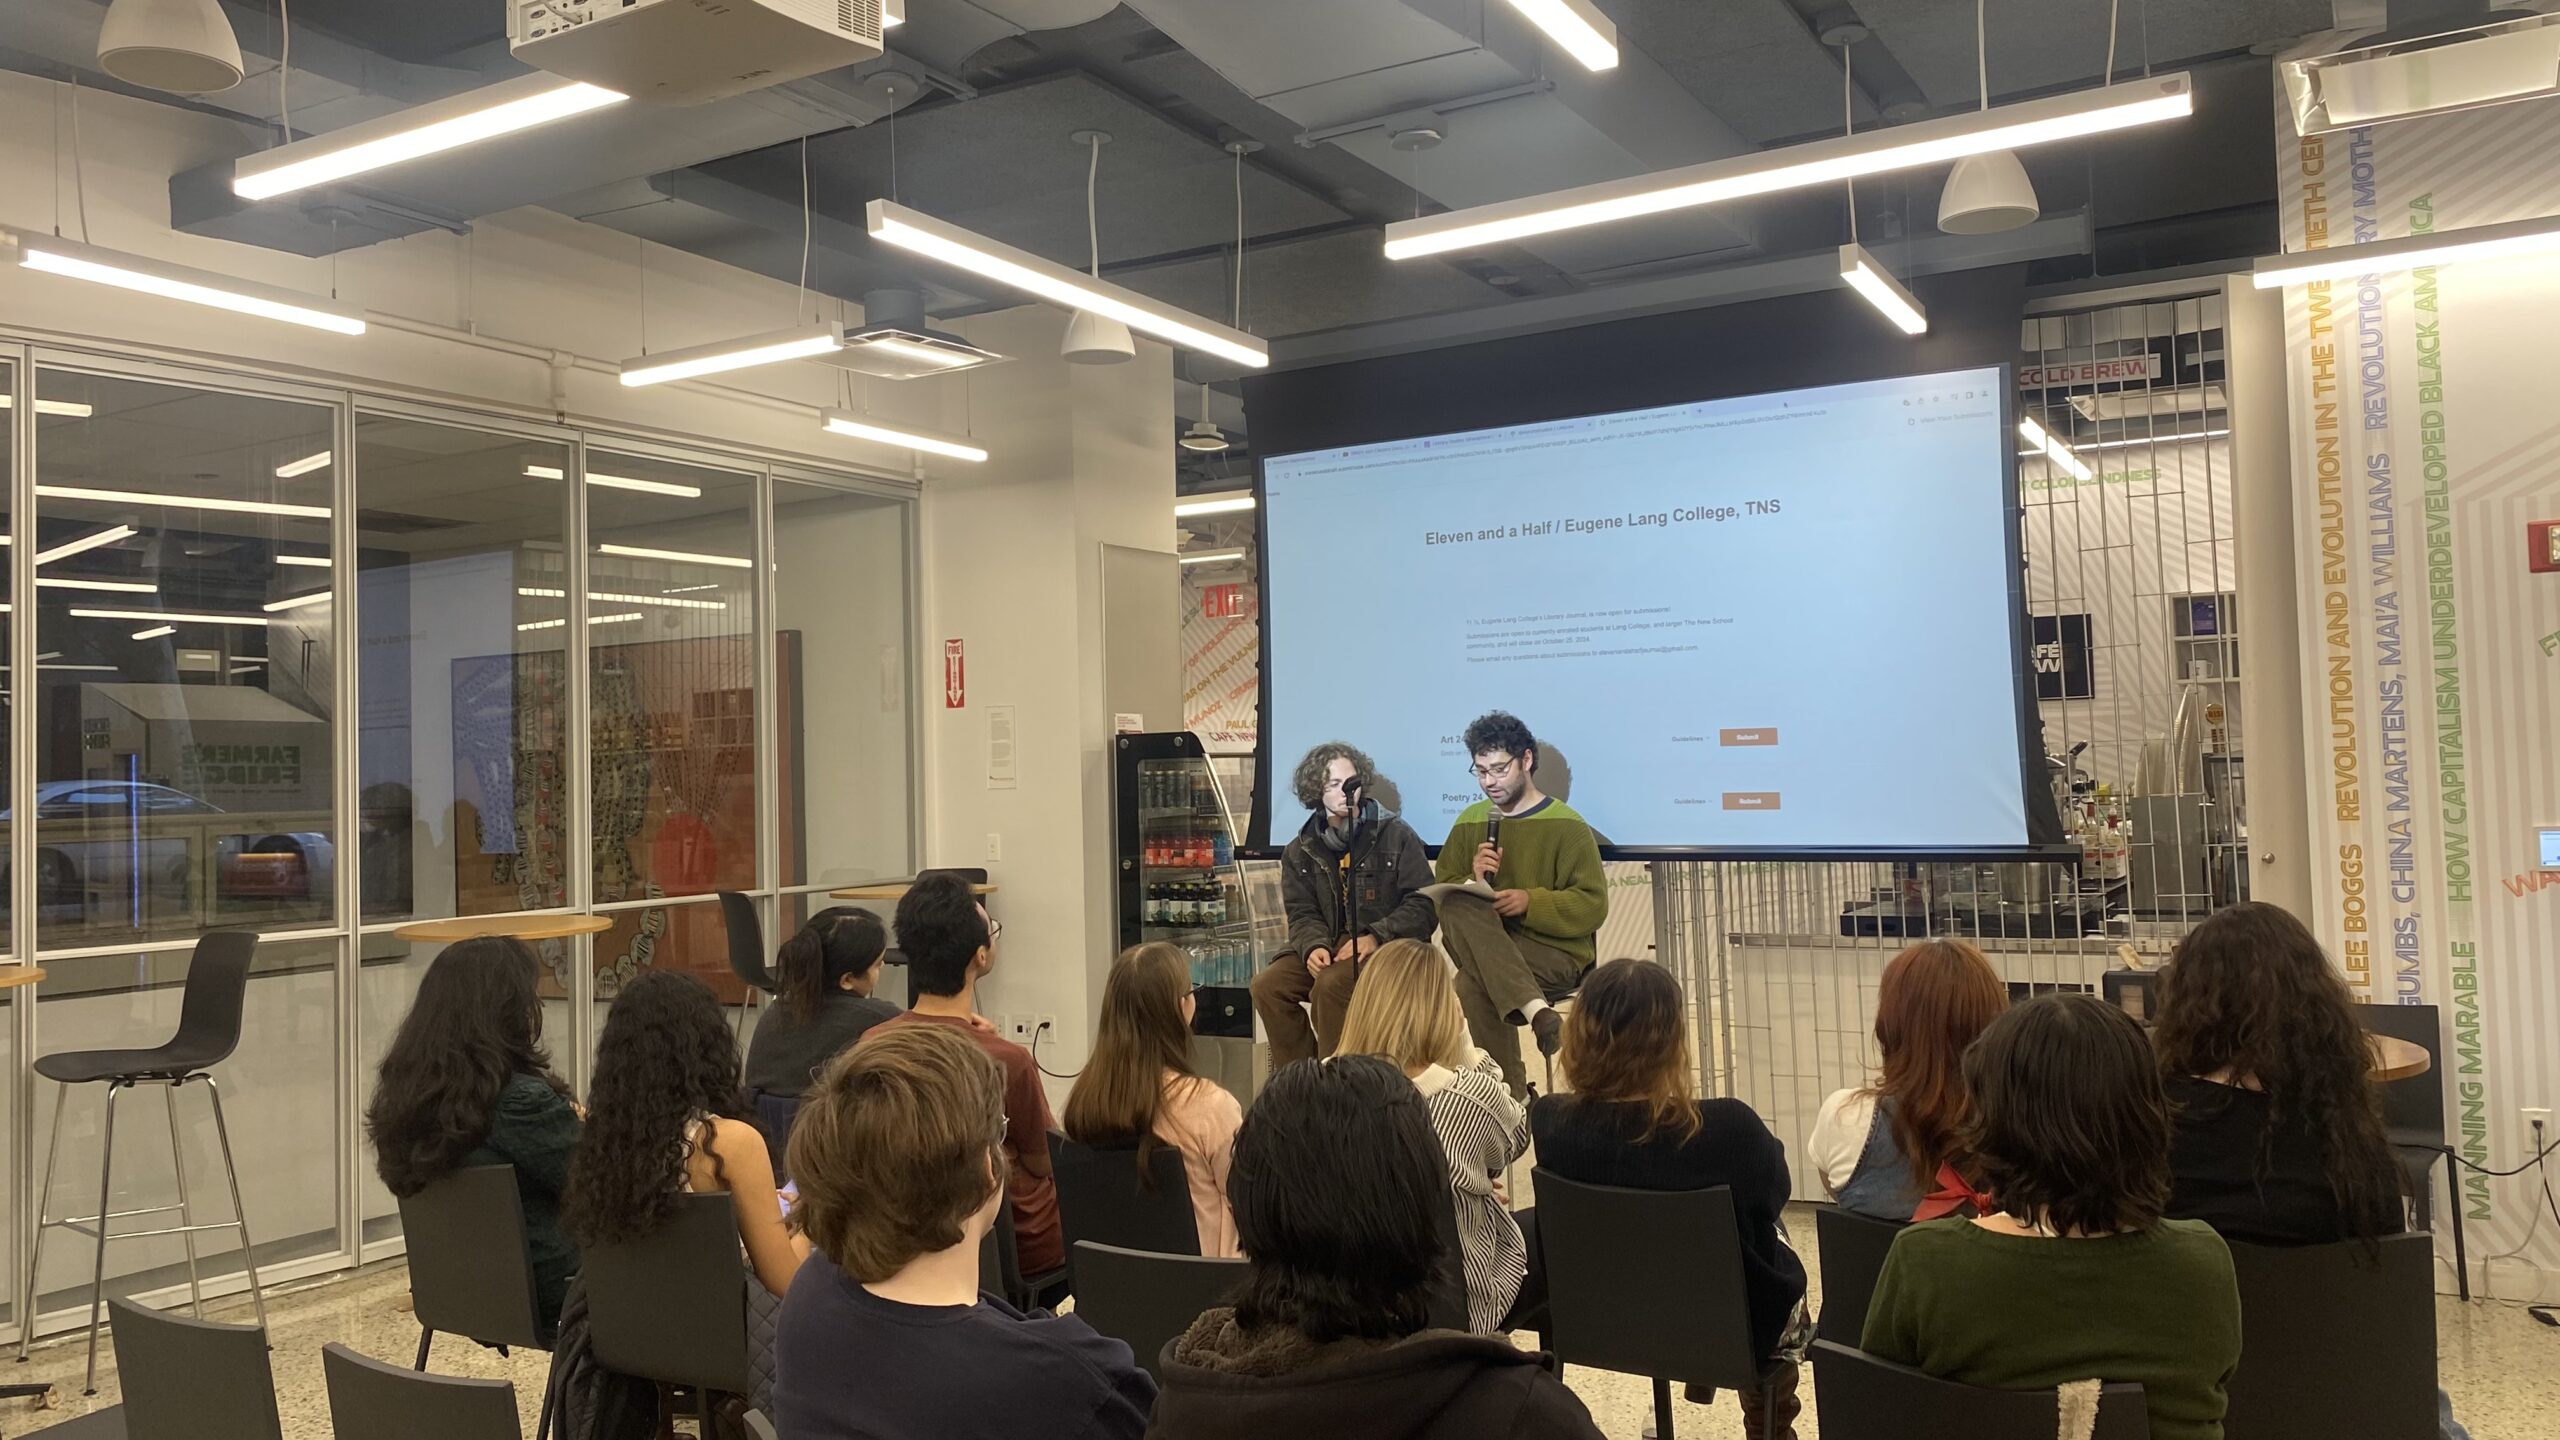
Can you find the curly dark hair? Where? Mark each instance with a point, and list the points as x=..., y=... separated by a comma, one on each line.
x=2070, y=1126
x=1336, y=1177
x=666, y=1059
x=1308, y=779
x=475, y=1025
x=1499, y=730
x=2249, y=991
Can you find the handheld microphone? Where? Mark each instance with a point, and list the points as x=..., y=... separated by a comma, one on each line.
x=1493, y=828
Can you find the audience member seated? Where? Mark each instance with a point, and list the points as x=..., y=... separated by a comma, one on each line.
x=467, y=1082
x=1138, y=1090
x=1406, y=1013
x=1634, y=1120
x=662, y=1122
x=2275, y=1128
x=1879, y=1148
x=950, y=946
x=900, y=1157
x=1336, y=1182
x=2075, y=1275
x=824, y=977
x=2276, y=1134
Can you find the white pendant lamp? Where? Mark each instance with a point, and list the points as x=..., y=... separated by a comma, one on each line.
x=182, y=46
x=1987, y=193
x=1095, y=339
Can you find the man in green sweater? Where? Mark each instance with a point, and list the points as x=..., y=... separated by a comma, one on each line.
x=1526, y=943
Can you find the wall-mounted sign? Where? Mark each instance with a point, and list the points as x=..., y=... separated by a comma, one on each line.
x=2062, y=657
x=955, y=677
x=2542, y=546
x=2115, y=370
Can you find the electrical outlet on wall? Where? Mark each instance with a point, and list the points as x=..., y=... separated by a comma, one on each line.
x=1017, y=1028
x=2537, y=1117
x=1046, y=1027
x=995, y=846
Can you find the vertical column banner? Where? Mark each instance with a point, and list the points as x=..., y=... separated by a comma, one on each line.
x=1222, y=658
x=2425, y=445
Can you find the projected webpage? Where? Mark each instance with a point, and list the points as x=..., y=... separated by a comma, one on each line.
x=1781, y=621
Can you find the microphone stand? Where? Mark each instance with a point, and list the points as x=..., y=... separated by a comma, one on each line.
x=1350, y=879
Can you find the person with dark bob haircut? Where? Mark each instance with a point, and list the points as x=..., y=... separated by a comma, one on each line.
x=467, y=1082
x=825, y=974
x=950, y=946
x=1350, y=882
x=900, y=1154
x=1336, y=1181
x=2075, y=1274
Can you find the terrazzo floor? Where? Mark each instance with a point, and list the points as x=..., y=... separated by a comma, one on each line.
x=2500, y=1364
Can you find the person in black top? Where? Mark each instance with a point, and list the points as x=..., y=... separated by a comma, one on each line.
x=825, y=975
x=2277, y=1134
x=1349, y=883
x=1335, y=1187
x=467, y=1082
x=885, y=1336
x=1633, y=1120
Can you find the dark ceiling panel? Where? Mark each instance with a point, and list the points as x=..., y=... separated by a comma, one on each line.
x=1318, y=284
x=1752, y=62
x=2038, y=44
x=422, y=32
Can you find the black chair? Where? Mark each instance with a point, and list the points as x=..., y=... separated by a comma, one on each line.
x=2413, y=1116
x=1649, y=1282
x=1147, y=1298
x=2336, y=1340
x=1102, y=1198
x=208, y=1031
x=2135, y=992
x=671, y=1307
x=182, y=1380
x=1863, y=1398
x=746, y=951
x=470, y=1273
x=1851, y=1248
x=369, y=1400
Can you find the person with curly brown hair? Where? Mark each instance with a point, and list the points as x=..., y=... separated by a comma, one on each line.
x=1349, y=883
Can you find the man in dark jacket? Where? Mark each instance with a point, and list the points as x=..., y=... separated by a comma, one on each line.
x=1350, y=882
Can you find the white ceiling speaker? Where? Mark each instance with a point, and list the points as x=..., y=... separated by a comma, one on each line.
x=1987, y=194
x=182, y=46
x=1096, y=340
x=1204, y=438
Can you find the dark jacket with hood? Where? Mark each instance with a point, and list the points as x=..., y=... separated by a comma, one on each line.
x=1221, y=1382
x=1388, y=867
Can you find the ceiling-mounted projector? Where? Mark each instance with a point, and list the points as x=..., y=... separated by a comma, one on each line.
x=686, y=52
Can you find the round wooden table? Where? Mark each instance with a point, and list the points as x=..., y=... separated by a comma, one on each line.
x=522, y=927
x=2396, y=1059
x=891, y=890
x=13, y=976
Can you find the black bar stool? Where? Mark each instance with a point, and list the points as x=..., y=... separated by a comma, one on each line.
x=208, y=1031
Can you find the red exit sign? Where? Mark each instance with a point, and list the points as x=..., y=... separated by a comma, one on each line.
x=2542, y=545
x=1222, y=602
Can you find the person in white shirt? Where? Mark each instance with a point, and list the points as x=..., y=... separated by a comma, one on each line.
x=1879, y=1147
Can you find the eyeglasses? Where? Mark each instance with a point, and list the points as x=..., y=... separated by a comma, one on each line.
x=1499, y=771
x=994, y=929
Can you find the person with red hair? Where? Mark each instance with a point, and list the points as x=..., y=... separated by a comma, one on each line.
x=1890, y=1149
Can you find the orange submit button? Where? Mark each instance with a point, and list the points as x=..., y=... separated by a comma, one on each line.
x=1751, y=799
x=1756, y=735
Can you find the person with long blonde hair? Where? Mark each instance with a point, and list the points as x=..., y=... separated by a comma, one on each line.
x=1406, y=1012
x=1879, y=1147
x=1139, y=1089
x=1634, y=1119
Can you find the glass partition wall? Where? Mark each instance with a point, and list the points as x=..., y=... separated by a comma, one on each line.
x=322, y=665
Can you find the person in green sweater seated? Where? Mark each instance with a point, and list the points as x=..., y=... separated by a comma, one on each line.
x=467, y=1082
x=2074, y=1275
x=1526, y=943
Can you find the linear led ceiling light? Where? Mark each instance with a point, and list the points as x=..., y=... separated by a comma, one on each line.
x=295, y=602
x=916, y=231
x=181, y=282
x=553, y=592
x=2411, y=252
x=1578, y=27
x=1867, y=275
x=315, y=562
x=1817, y=162
x=430, y=129
x=618, y=482
x=68, y=548
x=1212, y=557
x=863, y=427
x=2054, y=450
x=685, y=557
x=1216, y=505
x=182, y=502
x=303, y=466
x=797, y=343
x=155, y=632
x=2153, y=439
x=76, y=409
x=165, y=616
x=2424, y=75
x=126, y=587
x=591, y=620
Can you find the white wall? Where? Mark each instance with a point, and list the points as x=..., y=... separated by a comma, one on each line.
x=840, y=579
x=1013, y=570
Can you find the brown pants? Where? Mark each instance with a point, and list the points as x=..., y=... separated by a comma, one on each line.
x=1287, y=984
x=1500, y=970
